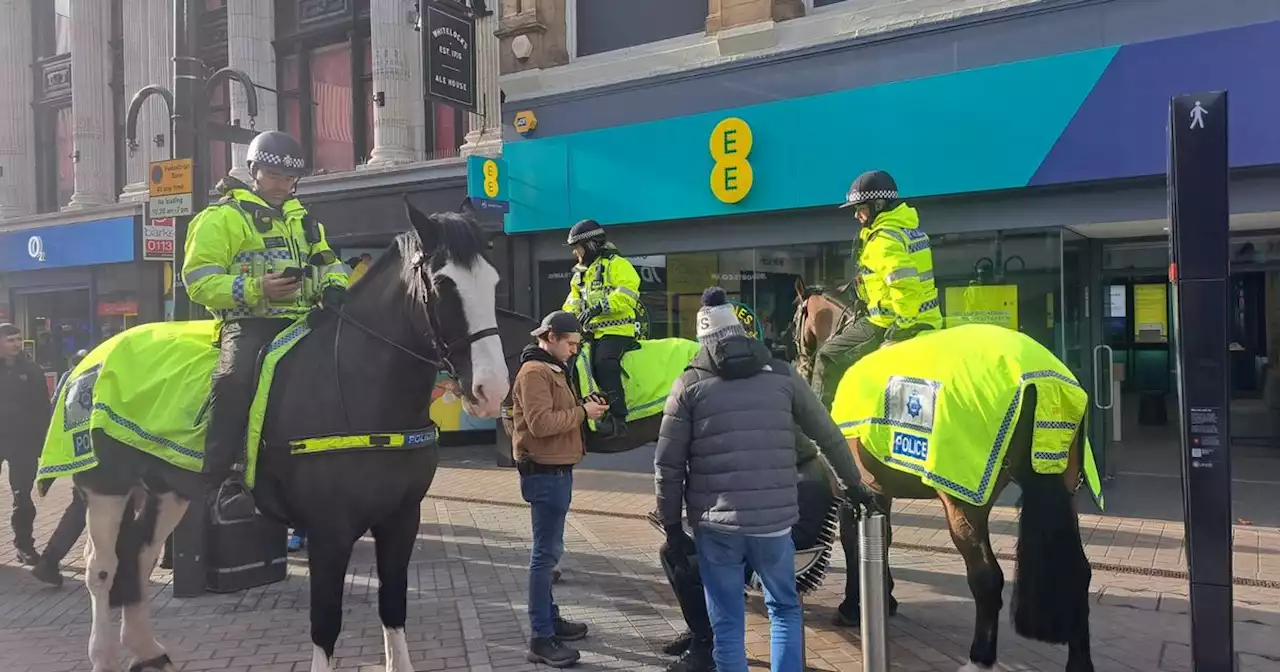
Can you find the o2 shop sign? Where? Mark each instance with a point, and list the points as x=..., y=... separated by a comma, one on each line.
x=35, y=248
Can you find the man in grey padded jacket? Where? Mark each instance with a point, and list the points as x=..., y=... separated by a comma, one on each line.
x=727, y=449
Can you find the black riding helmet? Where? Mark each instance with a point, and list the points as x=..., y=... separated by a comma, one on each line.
x=278, y=151
x=870, y=187
x=590, y=235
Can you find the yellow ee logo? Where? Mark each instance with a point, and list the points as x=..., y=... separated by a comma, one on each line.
x=490, y=170
x=731, y=177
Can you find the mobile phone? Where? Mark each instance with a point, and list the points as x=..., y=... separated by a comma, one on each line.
x=293, y=273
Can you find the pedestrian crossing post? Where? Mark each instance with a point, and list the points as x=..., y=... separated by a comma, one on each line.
x=872, y=573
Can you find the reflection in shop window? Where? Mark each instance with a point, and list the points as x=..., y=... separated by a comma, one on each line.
x=116, y=299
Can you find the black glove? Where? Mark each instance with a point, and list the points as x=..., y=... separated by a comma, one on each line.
x=862, y=499
x=333, y=296
x=679, y=542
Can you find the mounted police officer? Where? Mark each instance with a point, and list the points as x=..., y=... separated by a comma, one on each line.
x=894, y=280
x=258, y=261
x=605, y=294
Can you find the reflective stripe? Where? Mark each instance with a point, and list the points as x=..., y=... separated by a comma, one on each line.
x=627, y=291
x=202, y=272
x=928, y=305
x=604, y=324
x=901, y=274
x=237, y=291
x=897, y=235
x=238, y=313
x=926, y=276
x=918, y=246
x=575, y=303
x=248, y=257
x=335, y=268
x=416, y=439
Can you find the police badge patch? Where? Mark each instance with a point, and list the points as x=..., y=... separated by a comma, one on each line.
x=78, y=400
x=910, y=402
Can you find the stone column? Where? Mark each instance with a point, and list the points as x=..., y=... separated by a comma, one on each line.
x=17, y=158
x=91, y=110
x=250, y=30
x=395, y=67
x=137, y=72
x=485, y=129
x=155, y=119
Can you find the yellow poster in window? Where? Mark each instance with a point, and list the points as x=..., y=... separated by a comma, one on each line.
x=1151, y=313
x=983, y=304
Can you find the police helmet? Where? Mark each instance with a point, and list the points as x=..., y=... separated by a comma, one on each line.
x=873, y=185
x=277, y=151
x=588, y=230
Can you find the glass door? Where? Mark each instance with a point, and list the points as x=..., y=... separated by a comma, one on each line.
x=1082, y=346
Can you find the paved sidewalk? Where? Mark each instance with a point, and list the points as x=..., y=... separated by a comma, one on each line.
x=467, y=601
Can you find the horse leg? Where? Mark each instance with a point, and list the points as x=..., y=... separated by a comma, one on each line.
x=849, y=613
x=394, y=538
x=103, y=515
x=135, y=624
x=969, y=532
x=329, y=553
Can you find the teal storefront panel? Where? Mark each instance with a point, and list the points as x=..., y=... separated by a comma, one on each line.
x=977, y=130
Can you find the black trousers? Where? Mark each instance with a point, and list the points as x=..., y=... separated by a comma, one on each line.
x=840, y=352
x=69, y=529
x=234, y=382
x=606, y=364
x=21, y=461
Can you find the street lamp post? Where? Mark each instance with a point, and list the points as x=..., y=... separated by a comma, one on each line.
x=186, y=102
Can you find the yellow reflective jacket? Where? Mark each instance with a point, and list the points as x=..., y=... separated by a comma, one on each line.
x=239, y=239
x=943, y=406
x=611, y=285
x=895, y=271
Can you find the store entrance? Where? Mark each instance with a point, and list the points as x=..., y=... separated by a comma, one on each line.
x=57, y=322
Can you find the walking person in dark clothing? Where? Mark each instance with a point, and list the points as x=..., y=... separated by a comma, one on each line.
x=71, y=525
x=24, y=419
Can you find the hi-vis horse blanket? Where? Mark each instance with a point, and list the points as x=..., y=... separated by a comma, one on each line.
x=944, y=404
x=149, y=387
x=647, y=374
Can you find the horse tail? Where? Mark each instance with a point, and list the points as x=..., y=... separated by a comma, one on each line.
x=137, y=529
x=1051, y=589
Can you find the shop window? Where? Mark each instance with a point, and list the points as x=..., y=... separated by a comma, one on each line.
x=61, y=27
x=116, y=300
x=64, y=157
x=332, y=144
x=607, y=25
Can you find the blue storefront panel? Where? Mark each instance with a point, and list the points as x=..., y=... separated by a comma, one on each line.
x=106, y=241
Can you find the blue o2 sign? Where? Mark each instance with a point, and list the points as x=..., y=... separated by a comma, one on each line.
x=106, y=241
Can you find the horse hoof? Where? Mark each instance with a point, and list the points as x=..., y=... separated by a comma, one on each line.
x=974, y=667
x=160, y=663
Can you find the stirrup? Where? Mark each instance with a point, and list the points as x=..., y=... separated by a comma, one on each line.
x=232, y=503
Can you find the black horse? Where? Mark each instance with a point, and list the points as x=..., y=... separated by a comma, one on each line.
x=427, y=305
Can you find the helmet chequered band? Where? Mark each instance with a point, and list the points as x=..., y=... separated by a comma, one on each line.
x=864, y=196
x=272, y=159
x=583, y=236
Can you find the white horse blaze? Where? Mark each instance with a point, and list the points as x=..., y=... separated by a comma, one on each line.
x=397, y=650
x=477, y=288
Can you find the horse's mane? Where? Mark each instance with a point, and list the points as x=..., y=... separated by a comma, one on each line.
x=457, y=234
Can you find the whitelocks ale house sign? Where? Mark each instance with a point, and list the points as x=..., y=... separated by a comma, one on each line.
x=449, y=51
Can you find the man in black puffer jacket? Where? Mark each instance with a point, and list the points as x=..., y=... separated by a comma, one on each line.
x=727, y=449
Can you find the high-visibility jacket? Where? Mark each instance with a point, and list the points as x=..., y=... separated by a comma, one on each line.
x=895, y=271
x=943, y=406
x=239, y=239
x=610, y=285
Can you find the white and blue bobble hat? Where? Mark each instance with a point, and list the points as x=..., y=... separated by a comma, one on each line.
x=716, y=319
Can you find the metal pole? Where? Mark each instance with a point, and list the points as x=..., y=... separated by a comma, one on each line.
x=872, y=573
x=189, y=572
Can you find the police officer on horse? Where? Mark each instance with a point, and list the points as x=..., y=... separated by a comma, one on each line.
x=894, y=281
x=605, y=295
x=258, y=261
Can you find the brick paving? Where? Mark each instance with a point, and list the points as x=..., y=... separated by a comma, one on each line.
x=467, y=602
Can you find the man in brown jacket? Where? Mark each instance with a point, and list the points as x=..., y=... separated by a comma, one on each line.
x=546, y=442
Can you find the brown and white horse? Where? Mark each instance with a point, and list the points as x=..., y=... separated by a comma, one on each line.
x=1051, y=591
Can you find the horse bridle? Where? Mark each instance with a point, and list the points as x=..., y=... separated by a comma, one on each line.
x=442, y=352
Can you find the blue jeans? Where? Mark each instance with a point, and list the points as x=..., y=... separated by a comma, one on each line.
x=548, y=496
x=722, y=560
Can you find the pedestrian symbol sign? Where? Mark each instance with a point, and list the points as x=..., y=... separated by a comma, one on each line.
x=1197, y=115
x=167, y=178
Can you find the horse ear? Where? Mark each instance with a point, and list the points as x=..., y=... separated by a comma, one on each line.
x=800, y=288
x=423, y=224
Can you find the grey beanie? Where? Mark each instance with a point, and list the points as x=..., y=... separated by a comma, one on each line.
x=716, y=319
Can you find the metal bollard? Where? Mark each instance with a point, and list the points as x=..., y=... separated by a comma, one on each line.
x=872, y=570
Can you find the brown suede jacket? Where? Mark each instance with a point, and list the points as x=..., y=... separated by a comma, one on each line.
x=547, y=414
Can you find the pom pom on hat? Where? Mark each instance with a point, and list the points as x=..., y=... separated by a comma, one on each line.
x=714, y=296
